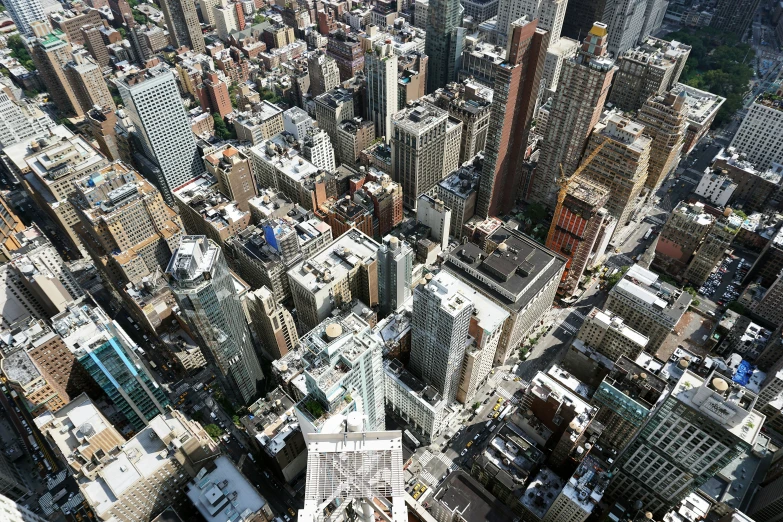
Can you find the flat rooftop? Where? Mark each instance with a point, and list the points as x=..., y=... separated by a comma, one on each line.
x=644, y=287
x=608, y=320
x=702, y=105
x=542, y=491
x=463, y=493
x=224, y=493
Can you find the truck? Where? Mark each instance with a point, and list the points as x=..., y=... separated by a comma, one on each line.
x=32, y=442
x=152, y=363
x=648, y=233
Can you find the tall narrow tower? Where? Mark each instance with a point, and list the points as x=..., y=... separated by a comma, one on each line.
x=576, y=108
x=380, y=70
x=445, y=39
x=182, y=22
x=205, y=292
x=516, y=89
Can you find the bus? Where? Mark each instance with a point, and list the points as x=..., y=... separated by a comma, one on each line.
x=648, y=233
x=152, y=363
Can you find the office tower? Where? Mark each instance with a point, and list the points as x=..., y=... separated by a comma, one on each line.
x=703, y=106
x=527, y=290
x=332, y=108
x=323, y=71
x=380, y=70
x=734, y=16
x=576, y=226
x=649, y=69
x=664, y=120
x=17, y=512
x=648, y=305
x=625, y=21
x=297, y=122
x=421, y=153
x=620, y=165
x=548, y=15
x=182, y=23
x=701, y=426
x=353, y=135
x=441, y=317
x=343, y=372
x=234, y=176
x=204, y=289
x=10, y=226
x=272, y=323
x=681, y=235
x=712, y=250
x=770, y=307
x=144, y=475
x=515, y=93
x=154, y=105
x=129, y=231
x=375, y=472
x=93, y=42
x=459, y=193
x=19, y=121
x=767, y=503
x=51, y=53
x=760, y=136
x=395, y=274
x=319, y=285
x=87, y=82
x=607, y=333
x=318, y=150
x=217, y=91
x=432, y=213
x=25, y=12
x=556, y=54
x=625, y=397
x=445, y=39
x=36, y=282
x=576, y=108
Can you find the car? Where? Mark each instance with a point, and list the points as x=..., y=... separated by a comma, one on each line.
x=711, y=313
x=463, y=453
x=291, y=512
x=496, y=408
x=286, y=518
x=721, y=303
x=423, y=488
x=469, y=444
x=495, y=415
x=500, y=400
x=417, y=487
x=416, y=495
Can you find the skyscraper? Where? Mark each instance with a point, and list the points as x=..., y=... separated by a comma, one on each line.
x=87, y=82
x=17, y=512
x=760, y=136
x=441, y=317
x=323, y=71
x=734, y=16
x=576, y=108
x=548, y=15
x=155, y=107
x=51, y=52
x=445, y=39
x=24, y=12
x=182, y=23
x=205, y=292
x=380, y=70
x=272, y=323
x=515, y=92
x=703, y=425
x=665, y=119
x=395, y=273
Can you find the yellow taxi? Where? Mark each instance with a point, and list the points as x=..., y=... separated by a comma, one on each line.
x=469, y=444
x=495, y=416
x=500, y=400
x=497, y=407
x=417, y=487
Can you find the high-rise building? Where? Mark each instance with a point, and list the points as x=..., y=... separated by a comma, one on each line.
x=734, y=16
x=19, y=121
x=343, y=371
x=395, y=274
x=182, y=23
x=93, y=42
x=154, y=105
x=323, y=71
x=515, y=92
x=231, y=168
x=681, y=235
x=719, y=236
x=459, y=193
x=25, y=12
x=664, y=120
x=129, y=231
x=317, y=149
x=556, y=54
x=272, y=323
x=206, y=211
x=86, y=79
x=422, y=143
x=445, y=39
x=297, y=122
x=760, y=136
x=649, y=69
x=576, y=227
x=548, y=15
x=607, y=334
x=100, y=124
x=770, y=307
x=576, y=108
x=347, y=52
x=10, y=226
x=263, y=122
x=380, y=71
x=648, y=305
x=51, y=52
x=319, y=285
x=204, y=289
x=581, y=494
x=353, y=136
x=625, y=397
x=703, y=107
x=127, y=480
x=441, y=320
x=701, y=426
x=620, y=165
x=434, y=214
x=14, y=511
x=217, y=92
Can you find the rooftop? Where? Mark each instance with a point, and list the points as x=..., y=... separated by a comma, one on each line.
x=702, y=105
x=643, y=287
x=419, y=117
x=609, y=320
x=271, y=420
x=586, y=486
x=542, y=491
x=224, y=493
x=461, y=492
x=590, y=192
x=427, y=395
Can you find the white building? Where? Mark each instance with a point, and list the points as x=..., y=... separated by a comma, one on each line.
x=550, y=15
x=25, y=12
x=19, y=121
x=395, y=273
x=11, y=511
x=760, y=136
x=318, y=149
x=716, y=188
x=380, y=70
x=420, y=405
x=581, y=494
x=435, y=214
x=558, y=51
x=296, y=121
x=155, y=107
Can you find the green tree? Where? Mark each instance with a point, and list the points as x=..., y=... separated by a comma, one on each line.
x=735, y=306
x=213, y=430
x=221, y=129
x=235, y=419
x=19, y=51
x=257, y=19
x=615, y=278
x=536, y=212
x=122, y=32
x=476, y=406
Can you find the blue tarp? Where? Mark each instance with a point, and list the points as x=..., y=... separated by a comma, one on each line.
x=744, y=372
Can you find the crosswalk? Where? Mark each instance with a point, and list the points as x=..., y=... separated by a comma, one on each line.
x=579, y=314
x=504, y=393
x=568, y=327
x=425, y=459
x=428, y=477
x=655, y=219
